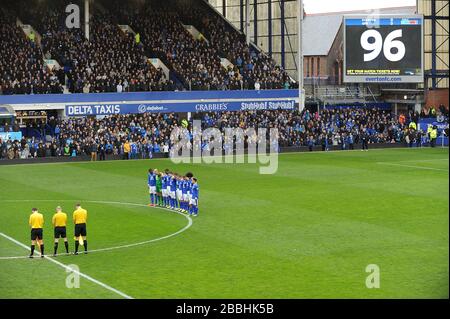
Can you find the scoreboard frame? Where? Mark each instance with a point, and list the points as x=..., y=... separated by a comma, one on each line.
x=383, y=77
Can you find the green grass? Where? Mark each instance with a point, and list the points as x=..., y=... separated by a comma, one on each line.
x=309, y=231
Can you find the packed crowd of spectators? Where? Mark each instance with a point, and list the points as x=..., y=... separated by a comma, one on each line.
x=114, y=61
x=331, y=127
x=256, y=70
x=145, y=134
x=198, y=60
x=110, y=61
x=22, y=69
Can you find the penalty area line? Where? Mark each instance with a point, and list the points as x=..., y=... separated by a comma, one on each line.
x=67, y=268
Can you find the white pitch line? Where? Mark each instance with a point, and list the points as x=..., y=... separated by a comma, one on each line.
x=107, y=202
x=413, y=166
x=95, y=281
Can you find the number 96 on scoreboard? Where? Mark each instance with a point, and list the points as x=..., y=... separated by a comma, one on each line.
x=383, y=49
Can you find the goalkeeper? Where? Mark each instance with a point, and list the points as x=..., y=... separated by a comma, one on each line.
x=159, y=200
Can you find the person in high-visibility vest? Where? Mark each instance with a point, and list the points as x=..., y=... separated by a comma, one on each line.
x=413, y=126
x=137, y=38
x=433, y=111
x=433, y=136
x=32, y=36
x=429, y=129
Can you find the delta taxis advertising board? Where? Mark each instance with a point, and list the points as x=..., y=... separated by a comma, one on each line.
x=383, y=49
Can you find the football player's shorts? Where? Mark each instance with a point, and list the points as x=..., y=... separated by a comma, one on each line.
x=80, y=230
x=36, y=233
x=172, y=194
x=60, y=232
x=179, y=195
x=152, y=189
x=193, y=201
x=164, y=192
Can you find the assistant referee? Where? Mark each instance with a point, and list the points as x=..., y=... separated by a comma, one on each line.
x=36, y=222
x=80, y=219
x=59, y=221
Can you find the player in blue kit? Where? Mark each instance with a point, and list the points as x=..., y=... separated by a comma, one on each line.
x=152, y=187
x=164, y=188
x=179, y=192
x=168, y=182
x=193, y=203
x=173, y=190
x=184, y=202
x=189, y=191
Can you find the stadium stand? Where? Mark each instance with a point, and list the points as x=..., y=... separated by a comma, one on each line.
x=340, y=128
x=113, y=61
x=197, y=61
x=201, y=50
x=110, y=61
x=22, y=69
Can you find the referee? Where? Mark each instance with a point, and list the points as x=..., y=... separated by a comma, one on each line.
x=36, y=222
x=79, y=219
x=59, y=221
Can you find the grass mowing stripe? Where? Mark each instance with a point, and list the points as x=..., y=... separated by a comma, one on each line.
x=120, y=293
x=221, y=156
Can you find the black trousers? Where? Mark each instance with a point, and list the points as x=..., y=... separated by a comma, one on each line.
x=433, y=142
x=365, y=145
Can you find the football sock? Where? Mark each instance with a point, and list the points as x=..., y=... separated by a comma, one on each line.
x=66, y=244
x=56, y=248
x=32, y=250
x=42, y=249
x=85, y=245
x=76, y=245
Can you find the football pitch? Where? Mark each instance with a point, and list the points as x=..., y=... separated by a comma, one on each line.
x=308, y=231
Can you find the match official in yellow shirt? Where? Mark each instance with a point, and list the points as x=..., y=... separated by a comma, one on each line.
x=59, y=222
x=36, y=222
x=80, y=219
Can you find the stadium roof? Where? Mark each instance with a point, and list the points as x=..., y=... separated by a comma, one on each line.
x=319, y=30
